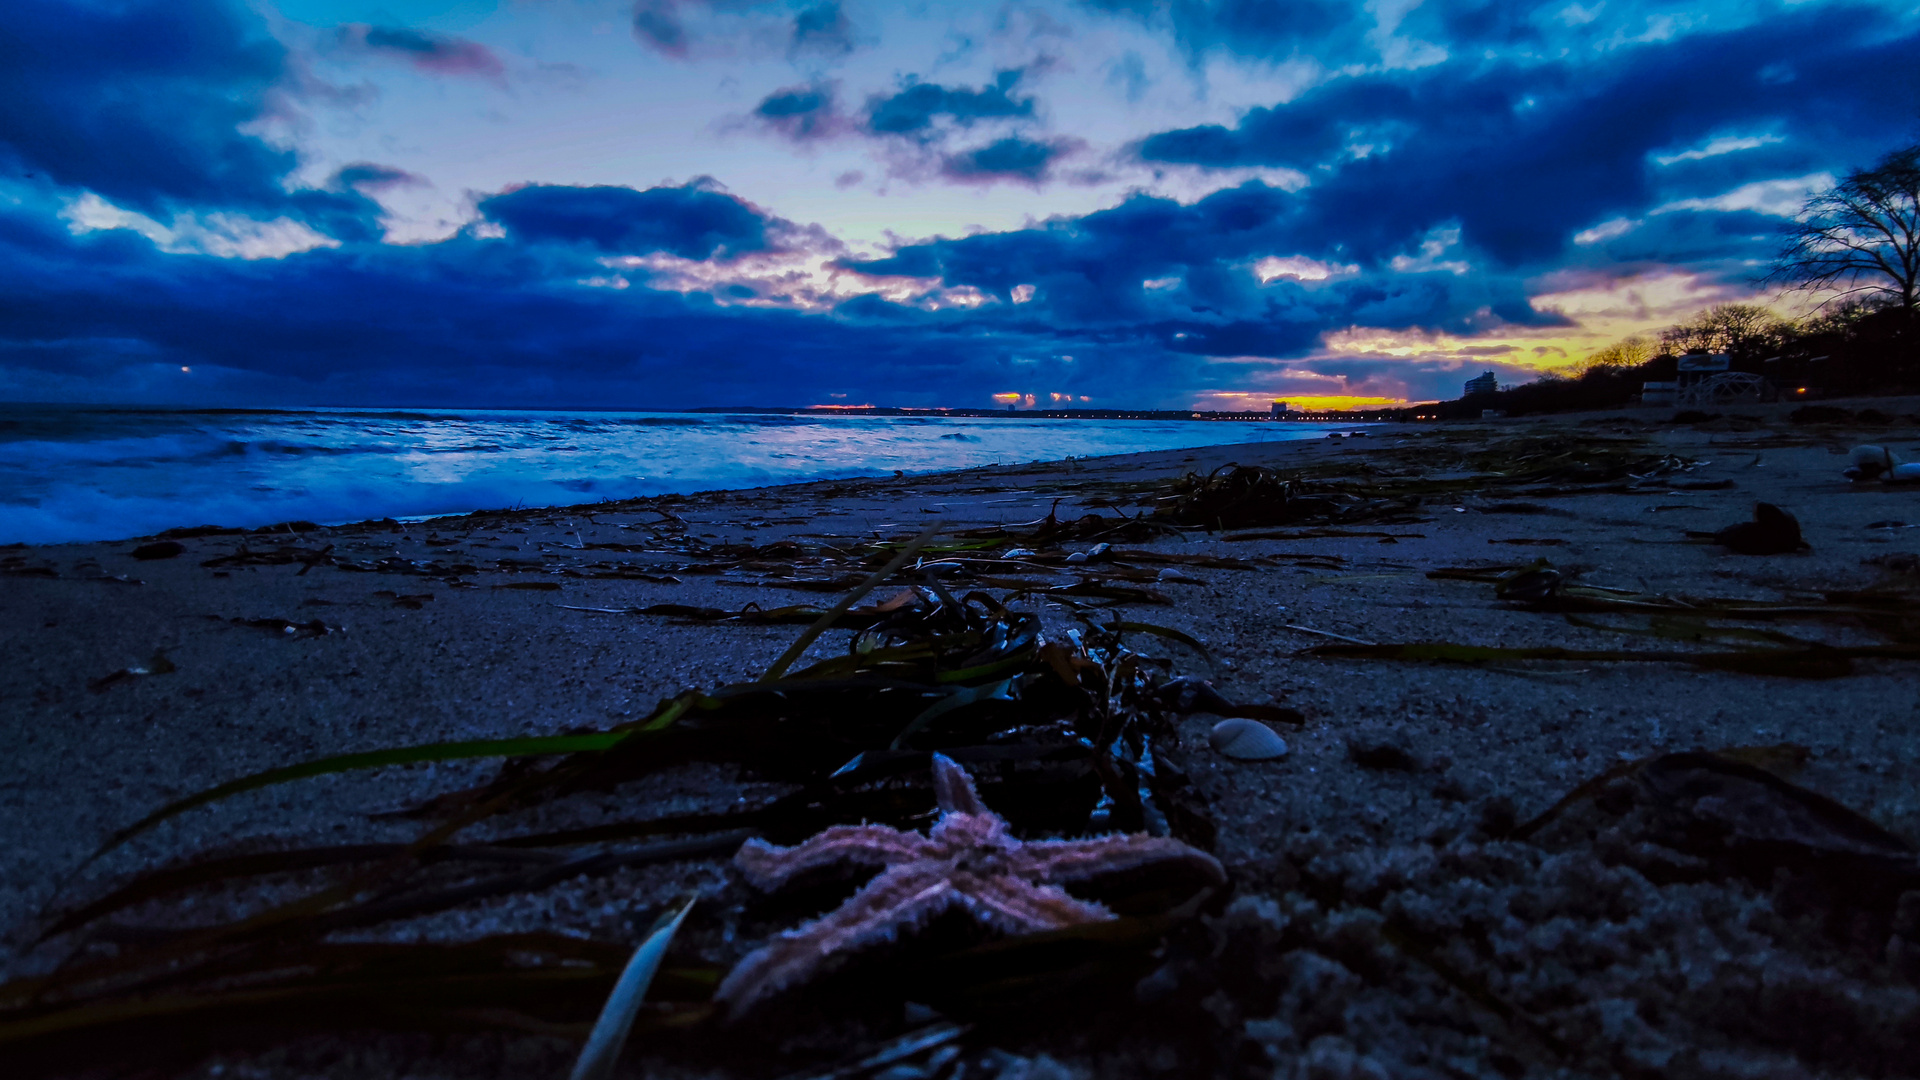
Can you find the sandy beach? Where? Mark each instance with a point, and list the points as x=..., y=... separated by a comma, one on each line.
x=1389, y=914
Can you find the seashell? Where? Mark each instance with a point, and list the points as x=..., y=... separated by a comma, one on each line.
x=1018, y=553
x=1099, y=551
x=1870, y=462
x=1874, y=455
x=1247, y=740
x=1907, y=472
x=1077, y=557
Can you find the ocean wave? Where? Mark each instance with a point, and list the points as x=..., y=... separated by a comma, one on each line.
x=116, y=474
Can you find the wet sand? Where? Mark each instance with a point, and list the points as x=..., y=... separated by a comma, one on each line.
x=1395, y=787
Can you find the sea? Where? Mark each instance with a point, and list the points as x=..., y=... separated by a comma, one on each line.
x=70, y=473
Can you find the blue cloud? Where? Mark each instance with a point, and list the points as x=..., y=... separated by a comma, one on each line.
x=914, y=110
x=801, y=113
x=363, y=175
x=693, y=222
x=475, y=321
x=1524, y=155
x=142, y=103
x=436, y=53
x=657, y=25
x=1011, y=158
x=822, y=28
x=1181, y=277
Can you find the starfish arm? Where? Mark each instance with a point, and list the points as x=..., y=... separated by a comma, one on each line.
x=1074, y=860
x=895, y=903
x=1021, y=907
x=768, y=866
x=953, y=788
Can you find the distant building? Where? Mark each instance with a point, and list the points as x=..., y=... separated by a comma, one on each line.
x=1279, y=410
x=1485, y=384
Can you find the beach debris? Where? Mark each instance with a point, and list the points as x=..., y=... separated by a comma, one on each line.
x=1246, y=740
x=18, y=566
x=1870, y=463
x=1239, y=497
x=159, y=665
x=889, y=1059
x=1735, y=808
x=1820, y=414
x=91, y=570
x=159, y=549
x=1791, y=659
x=968, y=862
x=1772, y=531
x=283, y=555
x=1187, y=694
x=1529, y=586
x=1074, y=736
x=312, y=628
x=1898, y=562
x=409, y=601
x=1907, y=472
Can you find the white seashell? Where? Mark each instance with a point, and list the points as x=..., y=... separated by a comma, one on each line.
x=1018, y=553
x=1099, y=551
x=1077, y=557
x=1247, y=740
x=1874, y=457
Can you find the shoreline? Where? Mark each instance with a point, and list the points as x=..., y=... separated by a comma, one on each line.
x=491, y=625
x=103, y=478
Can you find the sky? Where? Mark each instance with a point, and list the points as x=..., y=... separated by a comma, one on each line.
x=669, y=204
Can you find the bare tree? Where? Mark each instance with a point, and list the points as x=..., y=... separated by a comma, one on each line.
x=1744, y=331
x=1625, y=353
x=1861, y=237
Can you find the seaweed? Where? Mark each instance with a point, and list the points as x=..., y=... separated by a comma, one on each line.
x=1070, y=735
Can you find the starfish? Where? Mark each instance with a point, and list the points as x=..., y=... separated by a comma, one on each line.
x=968, y=861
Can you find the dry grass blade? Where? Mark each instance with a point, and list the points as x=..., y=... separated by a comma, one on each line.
x=372, y=759
x=825, y=622
x=609, y=1035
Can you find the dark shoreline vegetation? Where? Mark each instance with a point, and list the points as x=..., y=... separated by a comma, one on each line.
x=1070, y=736
x=1854, y=351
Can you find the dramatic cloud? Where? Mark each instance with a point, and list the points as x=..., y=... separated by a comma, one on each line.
x=1212, y=200
x=144, y=102
x=692, y=222
x=1522, y=156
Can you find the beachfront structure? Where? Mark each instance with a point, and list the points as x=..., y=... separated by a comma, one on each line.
x=1485, y=384
x=1279, y=410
